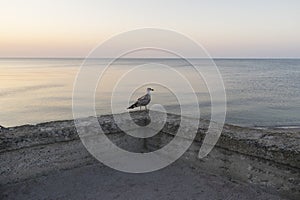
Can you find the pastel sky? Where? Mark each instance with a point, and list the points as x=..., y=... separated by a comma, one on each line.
x=226, y=28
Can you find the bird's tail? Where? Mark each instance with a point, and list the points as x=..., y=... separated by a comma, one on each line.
x=133, y=106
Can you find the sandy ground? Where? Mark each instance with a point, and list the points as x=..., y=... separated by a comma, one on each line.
x=177, y=181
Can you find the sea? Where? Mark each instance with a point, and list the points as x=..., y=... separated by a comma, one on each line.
x=260, y=93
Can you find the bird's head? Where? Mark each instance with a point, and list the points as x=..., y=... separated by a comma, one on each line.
x=149, y=89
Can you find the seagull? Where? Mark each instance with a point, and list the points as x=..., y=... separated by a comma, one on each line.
x=142, y=101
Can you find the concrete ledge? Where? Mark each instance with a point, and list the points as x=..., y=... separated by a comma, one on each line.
x=269, y=159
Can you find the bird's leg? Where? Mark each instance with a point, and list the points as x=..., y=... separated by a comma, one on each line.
x=140, y=107
x=146, y=107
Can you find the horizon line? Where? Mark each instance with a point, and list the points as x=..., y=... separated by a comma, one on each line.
x=79, y=57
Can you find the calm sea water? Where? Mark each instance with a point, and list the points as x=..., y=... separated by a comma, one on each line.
x=260, y=92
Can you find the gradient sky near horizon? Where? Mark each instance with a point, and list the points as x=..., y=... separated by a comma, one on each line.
x=226, y=28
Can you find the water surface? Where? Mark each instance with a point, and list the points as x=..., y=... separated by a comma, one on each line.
x=260, y=92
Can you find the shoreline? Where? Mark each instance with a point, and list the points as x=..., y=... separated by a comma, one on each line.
x=294, y=128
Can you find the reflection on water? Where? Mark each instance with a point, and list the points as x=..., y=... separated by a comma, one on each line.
x=259, y=92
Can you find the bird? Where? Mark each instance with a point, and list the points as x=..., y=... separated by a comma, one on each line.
x=142, y=101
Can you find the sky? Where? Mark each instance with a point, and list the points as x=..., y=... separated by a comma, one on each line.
x=225, y=28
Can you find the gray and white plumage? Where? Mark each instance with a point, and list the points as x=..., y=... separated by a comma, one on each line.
x=142, y=101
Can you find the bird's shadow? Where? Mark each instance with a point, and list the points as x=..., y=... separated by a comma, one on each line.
x=140, y=118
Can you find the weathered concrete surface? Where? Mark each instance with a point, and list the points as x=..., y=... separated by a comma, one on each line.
x=273, y=177
x=177, y=181
x=282, y=147
x=263, y=158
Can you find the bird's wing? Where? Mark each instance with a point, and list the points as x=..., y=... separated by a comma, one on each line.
x=143, y=97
